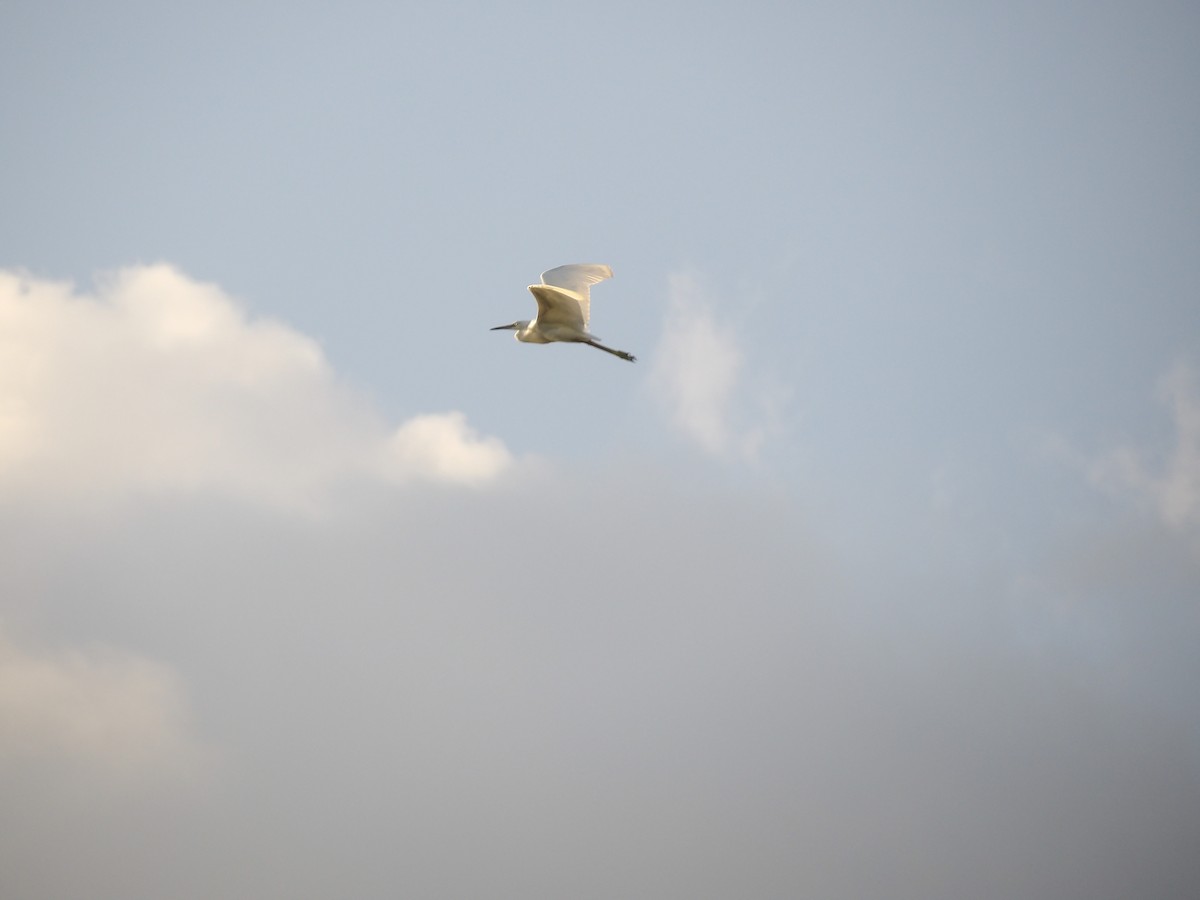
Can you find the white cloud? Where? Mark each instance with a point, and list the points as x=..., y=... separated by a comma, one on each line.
x=699, y=377
x=109, y=715
x=444, y=447
x=1174, y=489
x=158, y=382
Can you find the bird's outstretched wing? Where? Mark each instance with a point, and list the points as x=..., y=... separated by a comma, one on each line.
x=559, y=309
x=578, y=278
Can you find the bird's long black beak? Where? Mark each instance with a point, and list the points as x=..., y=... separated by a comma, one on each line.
x=503, y=327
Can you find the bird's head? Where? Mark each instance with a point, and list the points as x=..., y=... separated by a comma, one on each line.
x=512, y=326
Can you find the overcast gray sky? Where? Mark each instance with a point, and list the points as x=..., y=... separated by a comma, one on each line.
x=877, y=575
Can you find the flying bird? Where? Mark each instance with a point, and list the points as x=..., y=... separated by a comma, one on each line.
x=563, y=308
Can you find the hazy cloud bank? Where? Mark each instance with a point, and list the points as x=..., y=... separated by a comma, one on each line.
x=577, y=682
x=539, y=694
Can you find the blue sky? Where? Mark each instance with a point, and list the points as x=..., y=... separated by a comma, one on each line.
x=909, y=463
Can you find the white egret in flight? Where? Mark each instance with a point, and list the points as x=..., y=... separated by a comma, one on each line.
x=563, y=308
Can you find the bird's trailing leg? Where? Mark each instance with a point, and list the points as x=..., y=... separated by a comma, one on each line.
x=620, y=353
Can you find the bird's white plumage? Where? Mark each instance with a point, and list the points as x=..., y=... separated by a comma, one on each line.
x=558, y=308
x=576, y=278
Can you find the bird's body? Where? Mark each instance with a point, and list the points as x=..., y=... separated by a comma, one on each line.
x=564, y=308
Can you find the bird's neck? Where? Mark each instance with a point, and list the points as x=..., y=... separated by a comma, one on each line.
x=527, y=333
